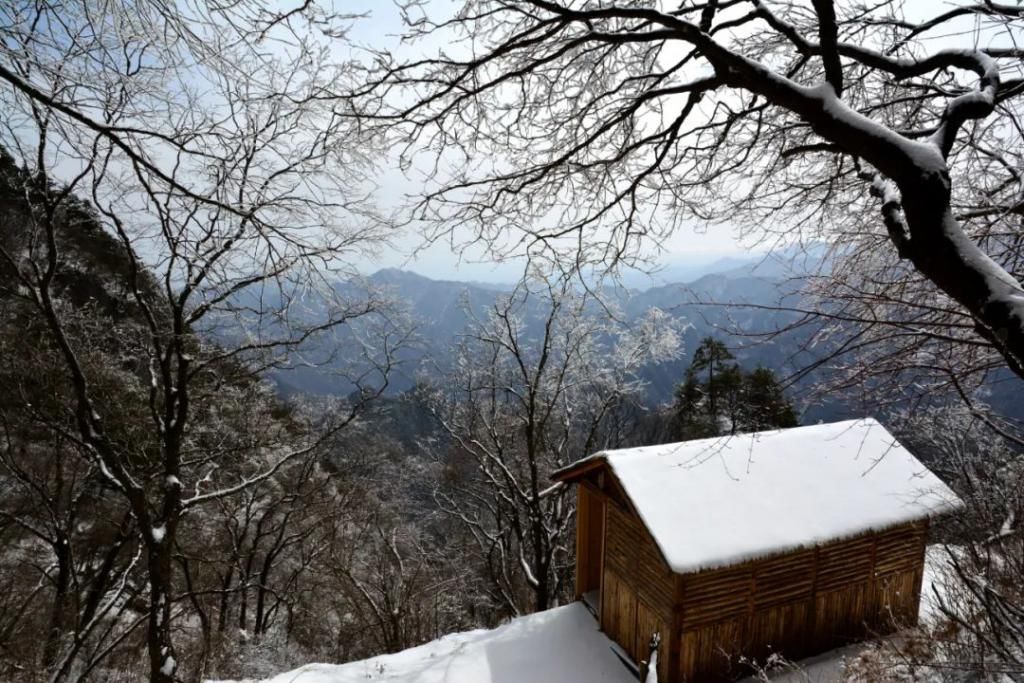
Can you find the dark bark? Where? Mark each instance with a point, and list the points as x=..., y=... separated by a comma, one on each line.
x=60, y=607
x=159, y=641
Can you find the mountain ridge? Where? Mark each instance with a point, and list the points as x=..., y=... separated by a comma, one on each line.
x=442, y=309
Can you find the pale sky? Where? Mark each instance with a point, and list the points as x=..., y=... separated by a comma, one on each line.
x=381, y=29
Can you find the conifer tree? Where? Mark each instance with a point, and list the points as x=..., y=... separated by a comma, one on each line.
x=719, y=397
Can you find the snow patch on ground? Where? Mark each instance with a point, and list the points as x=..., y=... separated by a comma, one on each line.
x=938, y=574
x=167, y=668
x=824, y=668
x=561, y=645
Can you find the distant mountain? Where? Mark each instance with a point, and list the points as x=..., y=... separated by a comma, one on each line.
x=686, y=270
x=749, y=300
x=439, y=304
x=710, y=305
x=780, y=264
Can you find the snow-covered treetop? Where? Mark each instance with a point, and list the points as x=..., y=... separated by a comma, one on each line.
x=716, y=502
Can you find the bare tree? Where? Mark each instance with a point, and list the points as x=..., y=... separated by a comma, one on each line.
x=592, y=128
x=198, y=133
x=535, y=383
x=56, y=499
x=389, y=575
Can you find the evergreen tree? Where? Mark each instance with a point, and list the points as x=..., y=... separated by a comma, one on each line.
x=718, y=397
x=711, y=356
x=765, y=404
x=691, y=419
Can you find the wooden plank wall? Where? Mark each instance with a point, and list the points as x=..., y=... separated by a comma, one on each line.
x=589, y=539
x=798, y=604
x=638, y=590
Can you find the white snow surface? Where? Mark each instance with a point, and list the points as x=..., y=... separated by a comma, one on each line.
x=167, y=668
x=560, y=645
x=721, y=501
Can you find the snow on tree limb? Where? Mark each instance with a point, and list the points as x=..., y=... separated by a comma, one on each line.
x=653, y=118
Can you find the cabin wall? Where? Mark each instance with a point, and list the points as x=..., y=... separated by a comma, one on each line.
x=590, y=505
x=799, y=604
x=637, y=590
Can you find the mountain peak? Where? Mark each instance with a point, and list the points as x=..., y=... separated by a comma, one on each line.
x=397, y=276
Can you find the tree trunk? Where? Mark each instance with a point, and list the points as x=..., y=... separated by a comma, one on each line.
x=162, y=659
x=538, y=535
x=939, y=249
x=541, y=593
x=222, y=616
x=712, y=408
x=59, y=608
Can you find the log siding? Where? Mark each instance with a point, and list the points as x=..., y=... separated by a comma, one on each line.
x=797, y=604
x=638, y=588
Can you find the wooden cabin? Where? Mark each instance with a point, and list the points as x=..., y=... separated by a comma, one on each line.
x=794, y=542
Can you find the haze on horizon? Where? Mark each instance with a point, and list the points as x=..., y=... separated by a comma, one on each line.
x=694, y=250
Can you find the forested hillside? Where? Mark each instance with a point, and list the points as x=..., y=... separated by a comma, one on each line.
x=757, y=309
x=227, y=450
x=75, y=581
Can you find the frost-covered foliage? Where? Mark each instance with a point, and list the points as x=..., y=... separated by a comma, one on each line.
x=890, y=132
x=168, y=179
x=526, y=397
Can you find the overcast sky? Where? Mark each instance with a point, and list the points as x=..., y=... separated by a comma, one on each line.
x=382, y=27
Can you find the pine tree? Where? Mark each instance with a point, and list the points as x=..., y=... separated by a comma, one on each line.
x=712, y=355
x=718, y=397
x=765, y=405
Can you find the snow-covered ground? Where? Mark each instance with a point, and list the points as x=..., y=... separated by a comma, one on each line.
x=824, y=668
x=561, y=645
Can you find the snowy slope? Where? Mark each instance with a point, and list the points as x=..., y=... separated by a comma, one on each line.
x=715, y=502
x=560, y=645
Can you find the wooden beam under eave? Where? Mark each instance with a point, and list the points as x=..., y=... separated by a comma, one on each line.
x=572, y=473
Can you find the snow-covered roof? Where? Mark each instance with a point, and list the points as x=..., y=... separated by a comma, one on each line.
x=560, y=645
x=716, y=502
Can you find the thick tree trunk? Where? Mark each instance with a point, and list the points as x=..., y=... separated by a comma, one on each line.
x=541, y=594
x=198, y=664
x=225, y=585
x=940, y=250
x=162, y=658
x=58, y=626
x=541, y=591
x=934, y=241
x=261, y=592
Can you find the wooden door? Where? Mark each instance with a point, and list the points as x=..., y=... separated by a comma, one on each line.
x=590, y=513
